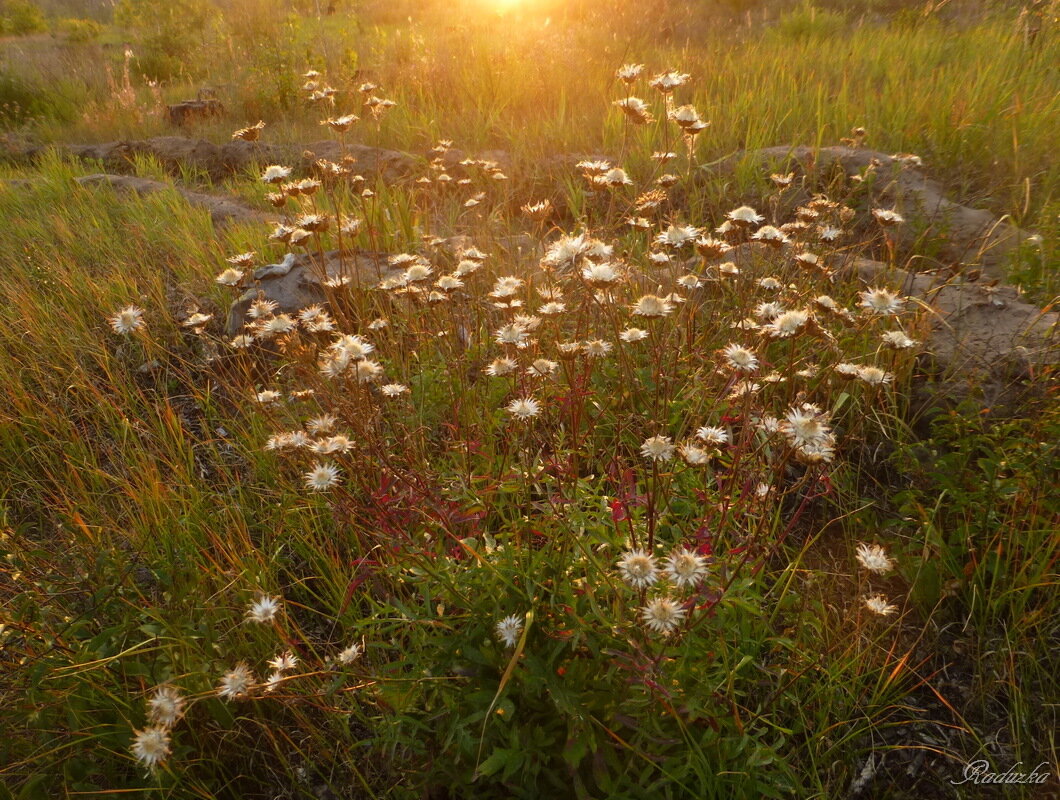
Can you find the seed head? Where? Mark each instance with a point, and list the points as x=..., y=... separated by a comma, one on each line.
x=151, y=745
x=637, y=568
x=509, y=629
x=524, y=408
x=127, y=320
x=657, y=448
x=873, y=558
x=236, y=683
x=685, y=568
x=652, y=306
x=663, y=615
x=321, y=477
x=165, y=707
x=878, y=605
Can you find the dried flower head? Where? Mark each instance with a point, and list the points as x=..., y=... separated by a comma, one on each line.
x=165, y=707
x=657, y=448
x=666, y=82
x=511, y=334
x=652, y=306
x=686, y=117
x=151, y=745
x=284, y=662
x=806, y=425
x=685, y=568
x=635, y=109
x=878, y=605
x=596, y=348
x=350, y=654
x=744, y=217
x=881, y=301
x=874, y=376
x=677, y=236
x=243, y=259
x=873, y=558
x=127, y=320
x=542, y=368
x=897, y=340
x=770, y=235
x=501, y=366
x=711, y=248
x=740, y=358
x=250, y=133
x=341, y=124
x=663, y=615
x=263, y=609
x=230, y=277
x=509, y=629
x=695, y=456
x=628, y=73
x=887, y=217
x=788, y=324
x=321, y=477
x=524, y=408
x=274, y=173
x=236, y=683
x=637, y=568
x=633, y=335
x=713, y=435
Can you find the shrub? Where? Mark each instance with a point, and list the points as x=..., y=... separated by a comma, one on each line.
x=168, y=34
x=80, y=30
x=21, y=17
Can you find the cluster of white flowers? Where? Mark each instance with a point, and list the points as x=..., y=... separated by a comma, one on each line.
x=590, y=309
x=683, y=569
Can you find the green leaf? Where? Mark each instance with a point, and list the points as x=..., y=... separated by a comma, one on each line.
x=496, y=761
x=575, y=750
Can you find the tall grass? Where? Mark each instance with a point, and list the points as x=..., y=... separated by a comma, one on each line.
x=461, y=597
x=976, y=101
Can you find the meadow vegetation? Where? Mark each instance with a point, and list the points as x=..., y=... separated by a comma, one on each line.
x=611, y=484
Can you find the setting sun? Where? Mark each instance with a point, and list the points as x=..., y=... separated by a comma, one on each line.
x=508, y=5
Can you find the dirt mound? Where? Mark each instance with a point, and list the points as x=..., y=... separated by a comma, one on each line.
x=962, y=236
x=223, y=210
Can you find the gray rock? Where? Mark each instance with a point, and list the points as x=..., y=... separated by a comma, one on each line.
x=963, y=236
x=223, y=210
x=984, y=340
x=222, y=160
x=276, y=270
x=298, y=282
